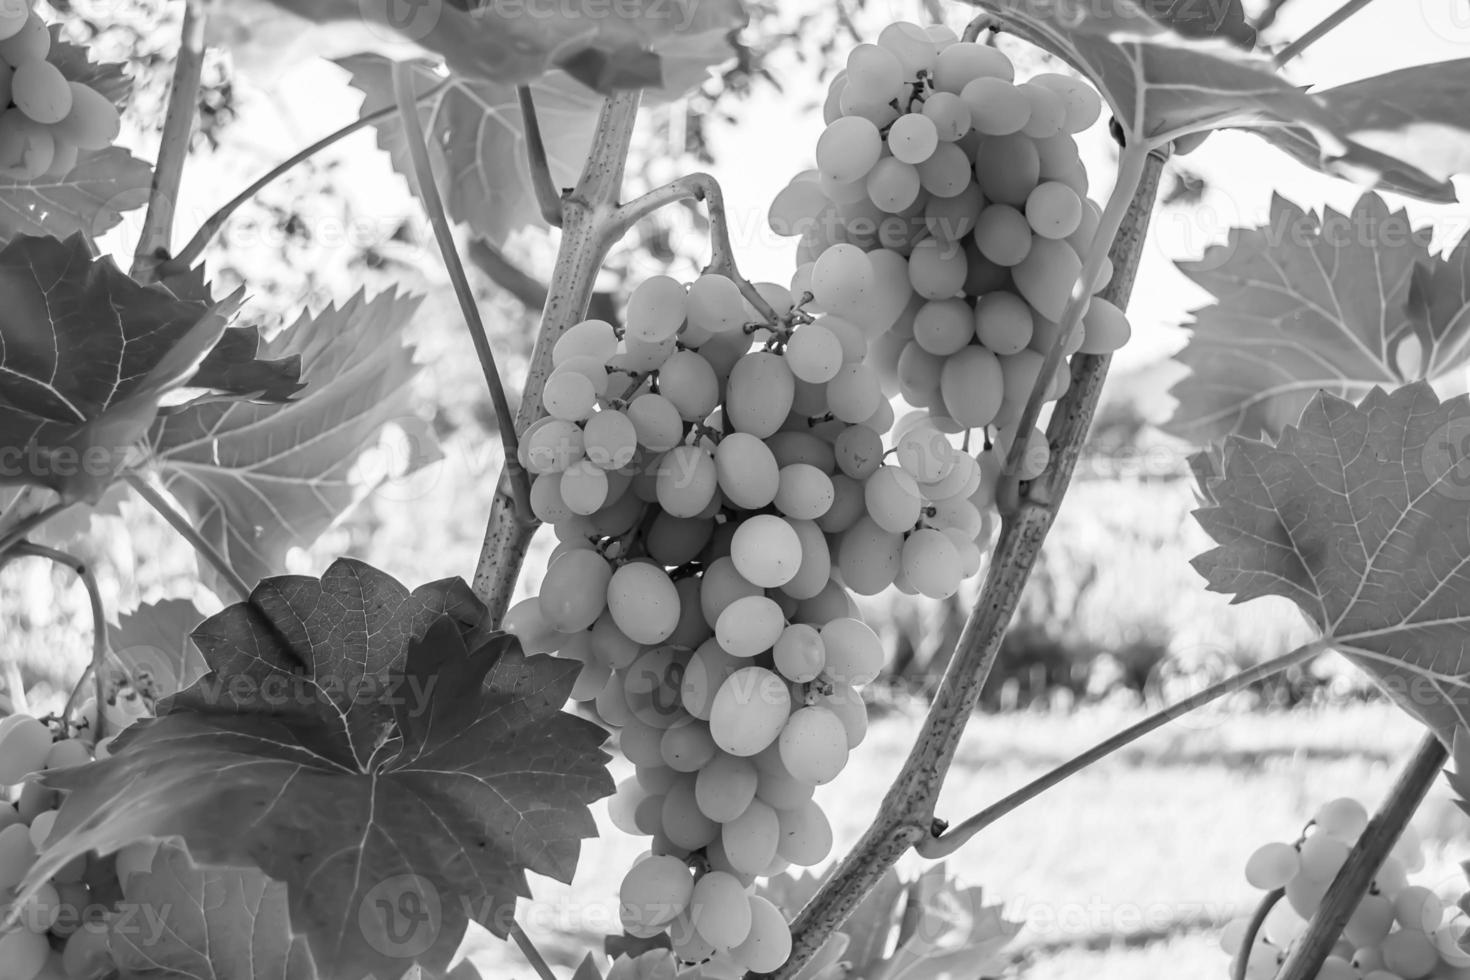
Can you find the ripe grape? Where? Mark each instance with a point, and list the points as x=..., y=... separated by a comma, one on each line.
x=848, y=148
x=813, y=745
x=654, y=891
x=643, y=602
x=1003, y=235
x=749, y=711
x=913, y=138
x=892, y=185
x=725, y=787
x=1272, y=865
x=1053, y=210
x=769, y=942
x=720, y=909
x=766, y=551
x=41, y=91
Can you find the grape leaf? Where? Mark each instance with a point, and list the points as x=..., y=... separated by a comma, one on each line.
x=1410, y=125
x=1217, y=18
x=103, y=184
x=656, y=964
x=183, y=922
x=152, y=644
x=477, y=143
x=1160, y=83
x=86, y=356
x=1360, y=514
x=639, y=44
x=946, y=929
x=1305, y=303
x=234, y=369
x=380, y=753
x=587, y=969
x=260, y=479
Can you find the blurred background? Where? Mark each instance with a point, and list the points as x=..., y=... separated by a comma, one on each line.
x=1127, y=870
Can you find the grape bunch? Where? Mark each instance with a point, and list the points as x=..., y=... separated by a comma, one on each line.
x=948, y=213
x=1400, y=931
x=60, y=932
x=46, y=119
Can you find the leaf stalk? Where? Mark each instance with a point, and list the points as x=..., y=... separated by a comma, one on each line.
x=201, y=545
x=548, y=198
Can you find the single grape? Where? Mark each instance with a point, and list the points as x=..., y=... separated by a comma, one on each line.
x=932, y=563
x=960, y=64
x=1370, y=921
x=1008, y=168
x=654, y=891
x=769, y=942
x=997, y=108
x=643, y=602
x=749, y=626
x=24, y=747
x=874, y=70
x=573, y=593
x=893, y=185
x=942, y=327
x=656, y=309
x=804, y=493
x=749, y=711
x=31, y=43
x=589, y=338
x=1105, y=329
x=683, y=823
x=974, y=386
x=946, y=173
x=569, y=395
x=1048, y=111
x=937, y=268
x=1322, y=857
x=806, y=834
x=751, y=839
x=1272, y=865
x=953, y=218
x=1410, y=953
x=1003, y=235
x=1416, y=907
x=854, y=654
x=1046, y=276
x=848, y=148
x=913, y=138
x=41, y=91
x=813, y=745
x=1053, y=210
x=725, y=787
x=814, y=354
x=869, y=558
x=855, y=393
x=1083, y=105
x=720, y=909
x=800, y=653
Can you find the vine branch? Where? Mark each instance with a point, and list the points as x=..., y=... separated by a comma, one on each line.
x=423, y=172
x=954, y=838
x=155, y=499
x=1352, y=881
x=1131, y=162
x=584, y=244
x=178, y=124
x=215, y=223
x=697, y=187
x=83, y=572
x=530, y=952
x=1328, y=24
x=548, y=198
x=906, y=815
x=1253, y=929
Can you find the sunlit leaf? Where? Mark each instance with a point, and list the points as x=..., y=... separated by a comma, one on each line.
x=1360, y=514
x=260, y=479
x=152, y=644
x=1305, y=303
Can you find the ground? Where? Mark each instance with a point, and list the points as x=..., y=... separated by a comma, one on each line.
x=1125, y=872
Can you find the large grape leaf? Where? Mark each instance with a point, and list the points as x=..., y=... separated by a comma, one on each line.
x=380, y=753
x=1411, y=125
x=636, y=44
x=1160, y=83
x=1305, y=303
x=103, y=184
x=183, y=922
x=260, y=479
x=152, y=644
x=477, y=143
x=86, y=356
x=1360, y=514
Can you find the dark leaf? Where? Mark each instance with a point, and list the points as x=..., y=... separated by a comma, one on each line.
x=183, y=922
x=88, y=356
x=397, y=768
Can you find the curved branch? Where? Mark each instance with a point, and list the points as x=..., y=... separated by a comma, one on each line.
x=84, y=573
x=423, y=172
x=548, y=199
x=955, y=837
x=906, y=815
x=1253, y=929
x=215, y=223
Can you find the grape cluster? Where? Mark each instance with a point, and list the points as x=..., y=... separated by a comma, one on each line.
x=1400, y=931
x=948, y=211
x=46, y=120
x=60, y=932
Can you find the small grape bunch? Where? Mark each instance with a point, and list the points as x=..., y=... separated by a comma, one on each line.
x=1399, y=931
x=46, y=120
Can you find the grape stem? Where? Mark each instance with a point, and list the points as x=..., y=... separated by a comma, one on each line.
x=423, y=172
x=25, y=525
x=585, y=241
x=697, y=187
x=84, y=573
x=530, y=952
x=173, y=148
x=974, y=28
x=215, y=223
x=548, y=198
x=155, y=499
x=1131, y=161
x=906, y=814
x=1253, y=929
x=951, y=841
x=1310, y=951
x=1327, y=25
